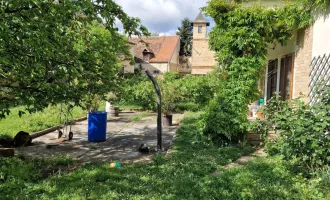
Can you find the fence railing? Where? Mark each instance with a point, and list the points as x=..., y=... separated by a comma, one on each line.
x=319, y=76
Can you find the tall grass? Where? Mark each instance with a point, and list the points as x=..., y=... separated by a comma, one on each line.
x=49, y=117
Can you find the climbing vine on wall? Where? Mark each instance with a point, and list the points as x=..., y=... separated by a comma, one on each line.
x=240, y=39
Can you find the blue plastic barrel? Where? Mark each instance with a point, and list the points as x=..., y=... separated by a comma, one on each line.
x=97, y=126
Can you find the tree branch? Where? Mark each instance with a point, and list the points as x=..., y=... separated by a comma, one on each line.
x=8, y=11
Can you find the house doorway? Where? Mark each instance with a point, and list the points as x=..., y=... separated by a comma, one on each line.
x=286, y=77
x=272, y=78
x=280, y=78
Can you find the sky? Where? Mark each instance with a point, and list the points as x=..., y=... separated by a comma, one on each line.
x=162, y=16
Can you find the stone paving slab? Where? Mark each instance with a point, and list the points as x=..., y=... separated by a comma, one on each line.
x=242, y=160
x=124, y=136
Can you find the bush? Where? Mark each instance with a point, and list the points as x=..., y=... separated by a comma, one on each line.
x=171, y=76
x=324, y=175
x=170, y=96
x=260, y=126
x=190, y=90
x=197, y=89
x=189, y=106
x=226, y=116
x=136, y=90
x=303, y=131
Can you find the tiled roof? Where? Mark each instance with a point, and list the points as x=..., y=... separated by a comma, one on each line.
x=201, y=19
x=162, y=48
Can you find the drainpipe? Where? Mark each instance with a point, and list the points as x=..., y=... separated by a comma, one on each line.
x=159, y=109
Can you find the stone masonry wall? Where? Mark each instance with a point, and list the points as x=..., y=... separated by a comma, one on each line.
x=201, y=54
x=303, y=59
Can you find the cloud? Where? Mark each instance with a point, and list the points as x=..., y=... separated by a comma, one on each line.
x=162, y=16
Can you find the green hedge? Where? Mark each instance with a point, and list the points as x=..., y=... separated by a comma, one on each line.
x=195, y=92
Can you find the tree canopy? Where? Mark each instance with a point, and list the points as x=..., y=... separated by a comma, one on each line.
x=60, y=51
x=186, y=34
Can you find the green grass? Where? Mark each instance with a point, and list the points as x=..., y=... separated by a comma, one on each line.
x=266, y=178
x=139, y=117
x=49, y=117
x=128, y=107
x=187, y=173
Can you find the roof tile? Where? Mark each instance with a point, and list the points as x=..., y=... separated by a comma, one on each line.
x=162, y=47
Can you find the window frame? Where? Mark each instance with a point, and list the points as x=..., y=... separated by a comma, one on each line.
x=200, y=29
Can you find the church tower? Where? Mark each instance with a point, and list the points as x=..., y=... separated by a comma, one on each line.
x=200, y=27
x=202, y=57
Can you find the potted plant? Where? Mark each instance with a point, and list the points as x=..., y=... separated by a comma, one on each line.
x=170, y=96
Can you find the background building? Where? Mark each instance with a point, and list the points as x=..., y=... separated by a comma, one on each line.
x=203, y=59
x=158, y=54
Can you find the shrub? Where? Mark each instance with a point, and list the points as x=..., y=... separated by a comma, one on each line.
x=196, y=89
x=324, y=175
x=303, y=131
x=226, y=116
x=171, y=76
x=189, y=106
x=136, y=90
x=190, y=90
x=260, y=126
x=143, y=94
x=170, y=96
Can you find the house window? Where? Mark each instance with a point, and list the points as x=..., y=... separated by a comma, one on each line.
x=286, y=78
x=146, y=57
x=272, y=78
x=200, y=28
x=156, y=72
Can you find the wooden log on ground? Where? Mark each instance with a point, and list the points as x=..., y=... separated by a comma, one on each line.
x=7, y=152
x=54, y=128
x=44, y=132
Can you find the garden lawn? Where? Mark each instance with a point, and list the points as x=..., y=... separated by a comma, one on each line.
x=187, y=173
x=12, y=124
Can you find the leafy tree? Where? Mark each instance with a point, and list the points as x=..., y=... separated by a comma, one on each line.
x=60, y=51
x=186, y=34
x=240, y=39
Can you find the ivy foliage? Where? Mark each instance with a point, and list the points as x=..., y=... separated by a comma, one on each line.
x=240, y=39
x=60, y=51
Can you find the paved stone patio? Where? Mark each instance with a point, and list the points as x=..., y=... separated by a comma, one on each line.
x=124, y=136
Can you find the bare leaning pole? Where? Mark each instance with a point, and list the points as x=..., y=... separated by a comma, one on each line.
x=159, y=109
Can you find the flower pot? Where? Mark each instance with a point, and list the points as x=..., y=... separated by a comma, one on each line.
x=167, y=120
x=260, y=115
x=114, y=111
